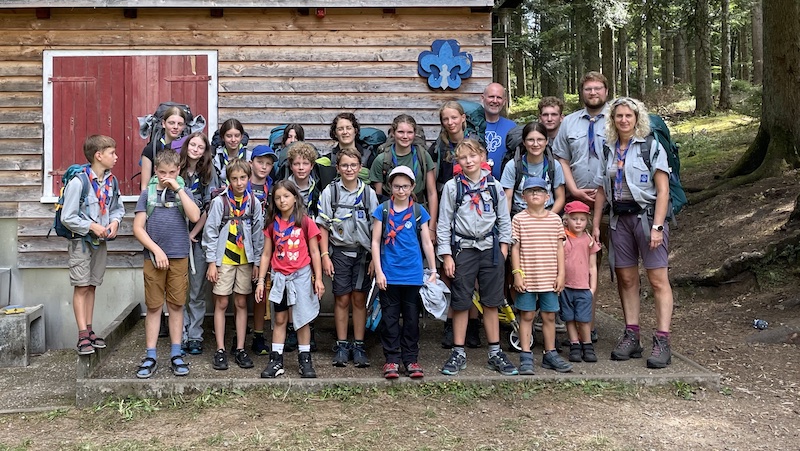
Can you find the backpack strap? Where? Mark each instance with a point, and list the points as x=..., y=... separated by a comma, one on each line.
x=417, y=213
x=153, y=199
x=455, y=244
x=646, y=151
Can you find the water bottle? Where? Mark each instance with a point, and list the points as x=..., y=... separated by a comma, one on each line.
x=760, y=324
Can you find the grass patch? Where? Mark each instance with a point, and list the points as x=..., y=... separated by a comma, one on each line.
x=684, y=390
x=711, y=142
x=55, y=414
x=130, y=407
x=216, y=397
x=23, y=445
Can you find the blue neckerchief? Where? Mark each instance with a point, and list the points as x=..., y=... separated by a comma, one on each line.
x=415, y=164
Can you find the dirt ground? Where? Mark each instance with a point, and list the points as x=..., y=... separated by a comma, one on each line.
x=757, y=407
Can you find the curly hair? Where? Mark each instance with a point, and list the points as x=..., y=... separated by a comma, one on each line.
x=642, y=127
x=302, y=149
x=348, y=117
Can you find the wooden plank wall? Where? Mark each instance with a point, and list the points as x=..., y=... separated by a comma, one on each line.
x=275, y=66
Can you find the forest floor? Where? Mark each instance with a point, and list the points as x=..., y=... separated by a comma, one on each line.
x=757, y=406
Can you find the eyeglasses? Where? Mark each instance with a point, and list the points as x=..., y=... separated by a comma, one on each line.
x=349, y=166
x=401, y=187
x=347, y=128
x=536, y=141
x=593, y=88
x=536, y=192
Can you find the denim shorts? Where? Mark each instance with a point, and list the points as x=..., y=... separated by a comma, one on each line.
x=546, y=301
x=576, y=305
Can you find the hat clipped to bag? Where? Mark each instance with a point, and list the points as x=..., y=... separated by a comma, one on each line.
x=576, y=206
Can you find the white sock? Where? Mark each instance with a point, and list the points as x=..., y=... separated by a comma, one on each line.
x=304, y=348
x=277, y=347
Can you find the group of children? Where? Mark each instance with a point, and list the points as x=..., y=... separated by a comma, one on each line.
x=216, y=216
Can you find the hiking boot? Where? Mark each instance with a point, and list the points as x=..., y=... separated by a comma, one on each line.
x=454, y=364
x=526, y=363
x=414, y=370
x=552, y=361
x=306, y=366
x=447, y=336
x=194, y=347
x=500, y=363
x=391, y=371
x=628, y=347
x=661, y=356
x=594, y=336
x=313, y=342
x=242, y=359
x=274, y=367
x=360, y=359
x=588, y=354
x=290, y=345
x=342, y=353
x=259, y=346
x=220, y=360
x=473, y=333
x=575, y=354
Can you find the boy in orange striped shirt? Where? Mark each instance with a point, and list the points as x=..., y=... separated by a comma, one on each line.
x=537, y=257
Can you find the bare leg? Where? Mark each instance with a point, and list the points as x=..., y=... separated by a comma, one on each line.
x=359, y=303
x=491, y=324
x=240, y=307
x=175, y=323
x=279, y=327
x=549, y=330
x=526, y=329
x=659, y=280
x=628, y=286
x=220, y=306
x=304, y=335
x=152, y=324
x=341, y=316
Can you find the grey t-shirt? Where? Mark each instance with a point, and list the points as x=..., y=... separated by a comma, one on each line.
x=166, y=226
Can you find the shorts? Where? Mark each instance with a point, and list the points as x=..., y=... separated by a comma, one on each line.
x=234, y=279
x=347, y=270
x=87, y=265
x=630, y=243
x=472, y=265
x=171, y=284
x=546, y=301
x=283, y=306
x=576, y=305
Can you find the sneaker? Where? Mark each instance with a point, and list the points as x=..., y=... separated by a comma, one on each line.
x=594, y=336
x=500, y=363
x=575, y=352
x=526, y=364
x=628, y=347
x=360, y=359
x=341, y=353
x=473, y=333
x=588, y=354
x=661, y=356
x=414, y=370
x=454, y=364
x=447, y=336
x=220, y=360
x=274, y=367
x=391, y=371
x=259, y=346
x=290, y=345
x=552, y=361
x=242, y=359
x=306, y=366
x=194, y=347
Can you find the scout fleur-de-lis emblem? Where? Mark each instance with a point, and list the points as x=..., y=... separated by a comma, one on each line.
x=445, y=65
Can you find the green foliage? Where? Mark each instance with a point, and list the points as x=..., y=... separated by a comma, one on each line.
x=55, y=414
x=130, y=407
x=684, y=390
x=713, y=142
x=216, y=397
x=24, y=445
x=342, y=392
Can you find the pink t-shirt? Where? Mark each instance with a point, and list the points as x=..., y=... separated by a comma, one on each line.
x=290, y=244
x=577, y=250
x=538, y=240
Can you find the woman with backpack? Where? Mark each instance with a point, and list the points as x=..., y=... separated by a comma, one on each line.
x=233, y=145
x=454, y=130
x=173, y=124
x=344, y=132
x=639, y=199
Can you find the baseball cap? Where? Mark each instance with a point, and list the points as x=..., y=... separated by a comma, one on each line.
x=404, y=170
x=534, y=182
x=576, y=206
x=263, y=150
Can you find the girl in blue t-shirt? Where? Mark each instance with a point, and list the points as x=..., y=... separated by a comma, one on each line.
x=398, y=272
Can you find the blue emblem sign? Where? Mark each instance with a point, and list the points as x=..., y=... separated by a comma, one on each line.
x=445, y=65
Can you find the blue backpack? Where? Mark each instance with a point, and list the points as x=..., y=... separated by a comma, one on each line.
x=75, y=170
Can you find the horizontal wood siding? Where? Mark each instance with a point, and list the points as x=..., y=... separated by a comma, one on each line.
x=274, y=66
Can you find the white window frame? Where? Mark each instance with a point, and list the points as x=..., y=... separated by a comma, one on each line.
x=47, y=100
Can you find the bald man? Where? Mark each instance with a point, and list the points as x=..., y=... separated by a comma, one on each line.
x=497, y=127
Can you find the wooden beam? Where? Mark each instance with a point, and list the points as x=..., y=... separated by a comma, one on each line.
x=130, y=13
x=42, y=13
x=217, y=12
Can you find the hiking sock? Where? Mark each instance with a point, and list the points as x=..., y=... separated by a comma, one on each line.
x=633, y=328
x=258, y=333
x=83, y=334
x=494, y=349
x=460, y=350
x=304, y=348
x=175, y=350
x=89, y=329
x=277, y=347
x=358, y=342
x=151, y=352
x=662, y=334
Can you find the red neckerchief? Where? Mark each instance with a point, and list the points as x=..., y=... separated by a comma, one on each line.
x=103, y=192
x=393, y=228
x=475, y=197
x=281, y=236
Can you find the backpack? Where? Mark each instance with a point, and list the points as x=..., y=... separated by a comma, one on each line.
x=362, y=206
x=276, y=135
x=461, y=192
x=659, y=131
x=371, y=139
x=226, y=212
x=388, y=165
x=151, y=126
x=476, y=119
x=516, y=151
x=75, y=170
x=417, y=214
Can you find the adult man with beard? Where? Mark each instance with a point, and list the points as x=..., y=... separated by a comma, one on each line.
x=497, y=127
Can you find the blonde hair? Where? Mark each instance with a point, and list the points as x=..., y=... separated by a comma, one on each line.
x=642, y=127
x=470, y=145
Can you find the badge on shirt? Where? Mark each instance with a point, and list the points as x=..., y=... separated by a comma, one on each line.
x=407, y=225
x=360, y=214
x=486, y=207
x=643, y=178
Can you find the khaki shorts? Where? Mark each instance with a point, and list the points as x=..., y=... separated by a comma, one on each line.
x=234, y=279
x=87, y=265
x=170, y=284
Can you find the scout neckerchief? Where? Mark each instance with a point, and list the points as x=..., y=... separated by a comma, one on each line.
x=103, y=192
x=620, y=157
x=237, y=211
x=281, y=236
x=415, y=164
x=394, y=229
x=475, y=195
x=240, y=153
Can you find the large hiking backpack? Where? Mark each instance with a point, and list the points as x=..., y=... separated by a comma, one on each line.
x=75, y=170
x=419, y=145
x=476, y=118
x=461, y=193
x=515, y=149
x=151, y=126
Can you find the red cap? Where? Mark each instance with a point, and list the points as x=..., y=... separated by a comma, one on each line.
x=576, y=206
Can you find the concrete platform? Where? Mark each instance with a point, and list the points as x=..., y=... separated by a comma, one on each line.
x=114, y=372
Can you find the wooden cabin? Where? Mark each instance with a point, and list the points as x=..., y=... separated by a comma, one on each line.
x=69, y=69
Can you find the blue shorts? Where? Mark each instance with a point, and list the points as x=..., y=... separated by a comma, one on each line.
x=546, y=301
x=576, y=305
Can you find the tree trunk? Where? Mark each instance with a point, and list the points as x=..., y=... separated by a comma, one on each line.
x=744, y=60
x=651, y=79
x=499, y=51
x=622, y=52
x=667, y=58
x=778, y=138
x=690, y=40
x=703, y=59
x=578, y=30
x=725, y=58
x=641, y=64
x=519, y=60
x=608, y=60
x=680, y=57
x=591, y=41
x=757, y=22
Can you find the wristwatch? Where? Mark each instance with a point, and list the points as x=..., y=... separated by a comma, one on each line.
x=658, y=228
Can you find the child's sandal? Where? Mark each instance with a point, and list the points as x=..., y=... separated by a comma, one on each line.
x=147, y=368
x=97, y=342
x=179, y=367
x=85, y=346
